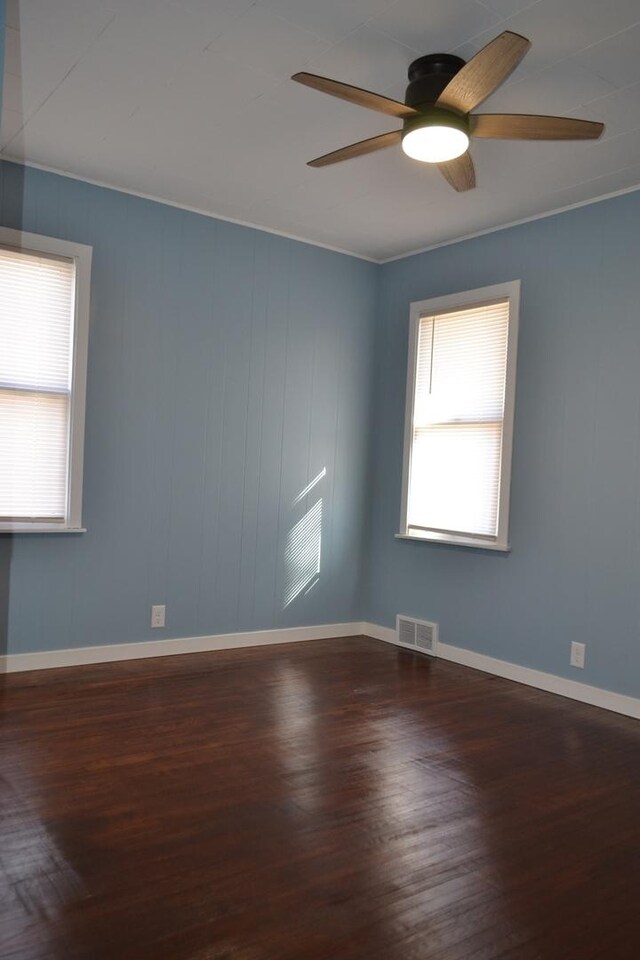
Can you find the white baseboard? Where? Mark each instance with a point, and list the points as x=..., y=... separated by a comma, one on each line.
x=607, y=699
x=109, y=653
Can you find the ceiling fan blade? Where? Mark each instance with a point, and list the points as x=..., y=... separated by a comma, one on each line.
x=525, y=126
x=358, y=149
x=363, y=98
x=460, y=173
x=484, y=73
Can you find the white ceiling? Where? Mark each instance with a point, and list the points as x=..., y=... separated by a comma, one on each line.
x=190, y=101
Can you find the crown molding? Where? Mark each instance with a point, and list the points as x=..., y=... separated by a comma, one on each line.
x=513, y=223
x=212, y=215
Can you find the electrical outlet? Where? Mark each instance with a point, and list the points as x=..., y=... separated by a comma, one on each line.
x=577, y=655
x=157, y=615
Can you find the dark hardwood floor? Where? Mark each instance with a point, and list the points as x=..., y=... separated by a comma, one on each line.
x=322, y=801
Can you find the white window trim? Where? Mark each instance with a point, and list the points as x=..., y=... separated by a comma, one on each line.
x=81, y=253
x=420, y=308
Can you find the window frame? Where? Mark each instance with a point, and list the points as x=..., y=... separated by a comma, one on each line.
x=81, y=254
x=451, y=302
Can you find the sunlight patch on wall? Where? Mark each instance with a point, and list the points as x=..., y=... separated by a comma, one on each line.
x=302, y=556
x=309, y=487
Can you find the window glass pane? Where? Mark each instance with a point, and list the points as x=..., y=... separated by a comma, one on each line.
x=454, y=481
x=34, y=430
x=36, y=320
x=461, y=365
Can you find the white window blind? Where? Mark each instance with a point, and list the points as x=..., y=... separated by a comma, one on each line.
x=455, y=462
x=37, y=309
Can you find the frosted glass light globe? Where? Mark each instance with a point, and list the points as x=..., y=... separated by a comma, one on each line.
x=435, y=143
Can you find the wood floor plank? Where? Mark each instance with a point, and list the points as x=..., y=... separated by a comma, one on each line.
x=334, y=800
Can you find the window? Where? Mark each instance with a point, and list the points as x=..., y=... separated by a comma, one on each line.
x=44, y=320
x=459, y=418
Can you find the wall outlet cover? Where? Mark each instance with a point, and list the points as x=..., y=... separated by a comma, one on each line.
x=578, y=651
x=158, y=615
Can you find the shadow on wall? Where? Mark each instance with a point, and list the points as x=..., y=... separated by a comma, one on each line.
x=11, y=210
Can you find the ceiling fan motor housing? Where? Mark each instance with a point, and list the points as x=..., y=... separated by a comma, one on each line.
x=428, y=76
x=436, y=117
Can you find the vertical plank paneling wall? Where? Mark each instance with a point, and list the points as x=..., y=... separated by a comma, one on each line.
x=3, y=13
x=228, y=369
x=574, y=569
x=5, y=542
x=228, y=426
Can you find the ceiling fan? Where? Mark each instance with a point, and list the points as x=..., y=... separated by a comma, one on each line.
x=436, y=114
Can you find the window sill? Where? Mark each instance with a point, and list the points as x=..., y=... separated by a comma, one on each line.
x=473, y=542
x=38, y=528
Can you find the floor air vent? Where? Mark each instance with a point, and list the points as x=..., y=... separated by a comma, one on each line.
x=420, y=634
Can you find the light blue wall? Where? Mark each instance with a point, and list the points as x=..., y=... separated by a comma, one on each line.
x=574, y=569
x=5, y=543
x=227, y=368
x=3, y=12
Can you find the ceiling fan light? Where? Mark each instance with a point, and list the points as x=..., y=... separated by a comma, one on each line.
x=435, y=142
